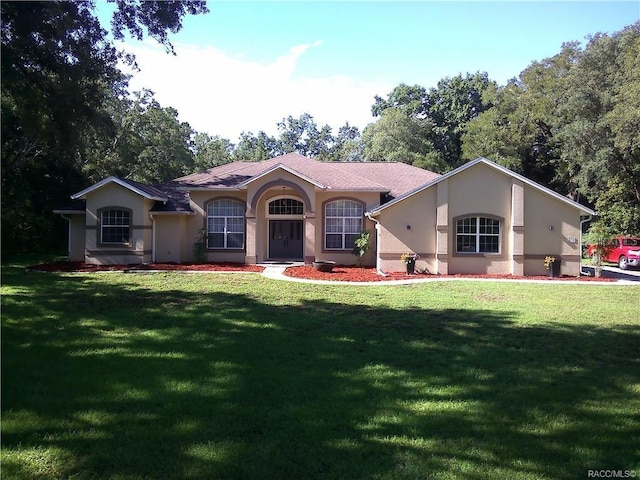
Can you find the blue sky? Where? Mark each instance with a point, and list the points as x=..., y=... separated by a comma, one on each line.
x=246, y=65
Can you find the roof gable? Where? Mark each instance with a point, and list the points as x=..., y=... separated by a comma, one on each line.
x=285, y=168
x=145, y=191
x=495, y=166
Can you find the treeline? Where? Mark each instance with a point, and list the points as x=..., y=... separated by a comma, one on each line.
x=569, y=122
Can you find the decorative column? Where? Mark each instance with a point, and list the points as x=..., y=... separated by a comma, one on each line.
x=309, y=237
x=442, y=228
x=516, y=247
x=251, y=257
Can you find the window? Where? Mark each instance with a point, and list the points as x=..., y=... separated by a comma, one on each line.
x=115, y=226
x=478, y=235
x=286, y=206
x=225, y=224
x=343, y=224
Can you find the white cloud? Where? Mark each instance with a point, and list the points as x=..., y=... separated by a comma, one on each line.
x=222, y=95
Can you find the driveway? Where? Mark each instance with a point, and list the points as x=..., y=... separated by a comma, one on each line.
x=615, y=272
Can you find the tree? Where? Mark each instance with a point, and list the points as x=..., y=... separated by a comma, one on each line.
x=451, y=106
x=395, y=137
x=411, y=100
x=59, y=75
x=348, y=146
x=211, y=151
x=302, y=135
x=600, y=139
x=447, y=109
x=520, y=129
x=256, y=148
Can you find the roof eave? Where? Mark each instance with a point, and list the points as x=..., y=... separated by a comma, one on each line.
x=374, y=212
x=63, y=211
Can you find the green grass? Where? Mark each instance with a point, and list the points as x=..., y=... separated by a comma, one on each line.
x=233, y=376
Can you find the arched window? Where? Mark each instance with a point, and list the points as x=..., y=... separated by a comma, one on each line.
x=478, y=235
x=225, y=224
x=286, y=206
x=342, y=223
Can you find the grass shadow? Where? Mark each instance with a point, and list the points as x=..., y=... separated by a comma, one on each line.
x=105, y=379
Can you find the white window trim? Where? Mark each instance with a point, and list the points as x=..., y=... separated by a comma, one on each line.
x=478, y=235
x=343, y=233
x=226, y=230
x=283, y=216
x=103, y=226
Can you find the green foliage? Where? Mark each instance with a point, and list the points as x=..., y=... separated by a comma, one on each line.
x=200, y=247
x=599, y=235
x=361, y=245
x=571, y=123
x=211, y=151
x=439, y=117
x=395, y=137
x=256, y=148
x=602, y=112
x=60, y=84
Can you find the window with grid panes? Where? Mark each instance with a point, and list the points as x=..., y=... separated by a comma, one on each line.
x=342, y=224
x=286, y=206
x=115, y=226
x=225, y=224
x=478, y=235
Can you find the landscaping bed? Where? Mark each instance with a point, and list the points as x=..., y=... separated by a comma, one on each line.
x=342, y=273
x=200, y=267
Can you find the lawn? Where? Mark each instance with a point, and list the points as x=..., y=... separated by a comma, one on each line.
x=234, y=376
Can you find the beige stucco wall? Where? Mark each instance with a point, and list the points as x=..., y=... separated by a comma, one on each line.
x=76, y=237
x=139, y=248
x=419, y=213
x=480, y=190
x=562, y=241
x=525, y=212
x=170, y=237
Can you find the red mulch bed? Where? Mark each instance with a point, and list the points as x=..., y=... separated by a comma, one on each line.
x=369, y=274
x=200, y=267
x=339, y=273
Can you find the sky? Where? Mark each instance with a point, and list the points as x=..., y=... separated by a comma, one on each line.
x=247, y=65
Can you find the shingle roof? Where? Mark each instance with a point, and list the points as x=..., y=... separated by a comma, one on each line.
x=394, y=178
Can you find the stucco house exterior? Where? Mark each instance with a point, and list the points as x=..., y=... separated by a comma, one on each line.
x=479, y=218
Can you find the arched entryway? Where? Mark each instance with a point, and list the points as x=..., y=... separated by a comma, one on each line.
x=285, y=216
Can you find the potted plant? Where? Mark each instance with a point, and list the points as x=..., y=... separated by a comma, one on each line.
x=409, y=259
x=553, y=265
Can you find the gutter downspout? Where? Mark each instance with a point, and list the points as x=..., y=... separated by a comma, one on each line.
x=153, y=238
x=582, y=222
x=378, y=244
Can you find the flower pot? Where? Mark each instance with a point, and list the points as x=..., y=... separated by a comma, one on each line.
x=411, y=267
x=324, y=265
x=554, y=269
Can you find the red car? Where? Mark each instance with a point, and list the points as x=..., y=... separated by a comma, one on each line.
x=625, y=251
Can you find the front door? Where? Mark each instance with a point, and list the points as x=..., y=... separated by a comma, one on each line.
x=285, y=239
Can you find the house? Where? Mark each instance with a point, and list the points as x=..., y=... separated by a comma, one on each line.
x=480, y=218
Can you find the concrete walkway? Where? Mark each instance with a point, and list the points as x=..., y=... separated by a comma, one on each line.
x=275, y=271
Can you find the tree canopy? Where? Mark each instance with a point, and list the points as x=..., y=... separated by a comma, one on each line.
x=569, y=122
